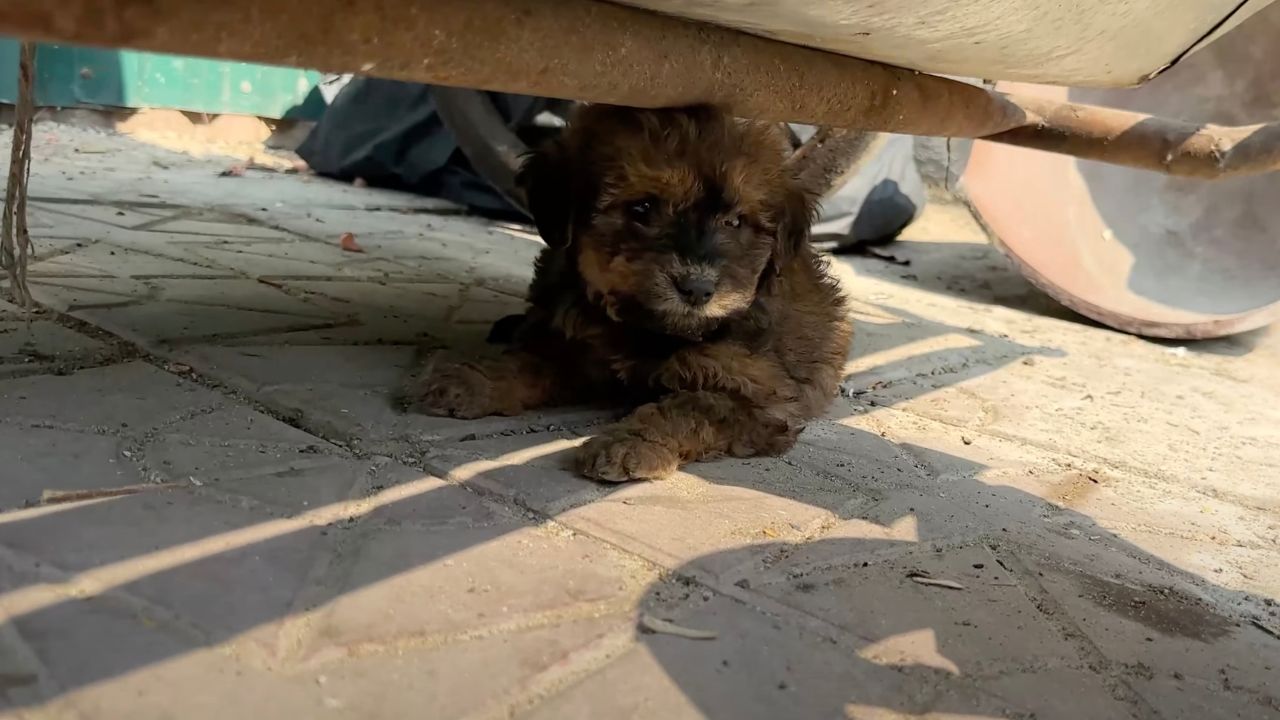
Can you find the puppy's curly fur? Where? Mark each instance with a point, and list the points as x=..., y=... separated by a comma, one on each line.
x=677, y=277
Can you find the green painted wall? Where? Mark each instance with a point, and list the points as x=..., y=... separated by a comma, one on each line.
x=69, y=76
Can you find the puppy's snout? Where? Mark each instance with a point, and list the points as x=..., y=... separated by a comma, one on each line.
x=695, y=289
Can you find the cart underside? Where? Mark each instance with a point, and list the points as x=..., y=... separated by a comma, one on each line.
x=603, y=52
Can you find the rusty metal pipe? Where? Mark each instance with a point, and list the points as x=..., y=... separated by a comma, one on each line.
x=1119, y=137
x=573, y=49
x=599, y=52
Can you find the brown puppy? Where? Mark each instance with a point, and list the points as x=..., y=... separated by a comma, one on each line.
x=677, y=276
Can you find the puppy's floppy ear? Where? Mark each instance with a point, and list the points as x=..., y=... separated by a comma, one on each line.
x=797, y=209
x=546, y=179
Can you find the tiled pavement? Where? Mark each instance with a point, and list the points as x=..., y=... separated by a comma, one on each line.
x=1110, y=508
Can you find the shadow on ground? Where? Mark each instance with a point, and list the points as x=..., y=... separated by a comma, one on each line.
x=1055, y=612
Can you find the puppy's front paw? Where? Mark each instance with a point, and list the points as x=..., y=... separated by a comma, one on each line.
x=619, y=456
x=451, y=388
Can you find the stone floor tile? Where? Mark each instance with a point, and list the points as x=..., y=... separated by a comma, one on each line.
x=486, y=674
x=428, y=301
x=1162, y=629
x=194, y=568
x=347, y=393
x=291, y=479
x=1066, y=694
x=705, y=510
x=37, y=459
x=235, y=294
x=204, y=229
x=239, y=423
x=28, y=346
x=989, y=626
x=132, y=396
x=67, y=294
x=407, y=496
x=56, y=215
x=154, y=670
x=406, y=583
x=154, y=322
x=117, y=261
x=258, y=259
x=1176, y=697
x=1077, y=407
x=758, y=666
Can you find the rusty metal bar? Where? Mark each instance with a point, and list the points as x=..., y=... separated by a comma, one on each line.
x=599, y=52
x=574, y=49
x=1119, y=137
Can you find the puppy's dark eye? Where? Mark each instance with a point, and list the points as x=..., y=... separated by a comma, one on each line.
x=733, y=221
x=639, y=211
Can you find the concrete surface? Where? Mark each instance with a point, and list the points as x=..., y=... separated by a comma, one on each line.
x=1108, y=507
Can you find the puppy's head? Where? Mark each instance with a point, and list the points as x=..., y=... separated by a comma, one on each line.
x=674, y=218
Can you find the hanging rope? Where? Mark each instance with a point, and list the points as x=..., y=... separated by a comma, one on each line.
x=15, y=241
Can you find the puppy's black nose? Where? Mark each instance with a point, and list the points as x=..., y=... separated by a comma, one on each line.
x=695, y=289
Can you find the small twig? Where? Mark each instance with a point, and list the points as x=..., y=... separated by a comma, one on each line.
x=1265, y=628
x=55, y=497
x=934, y=582
x=15, y=240
x=649, y=623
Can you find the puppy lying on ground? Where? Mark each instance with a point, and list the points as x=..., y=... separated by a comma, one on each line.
x=678, y=278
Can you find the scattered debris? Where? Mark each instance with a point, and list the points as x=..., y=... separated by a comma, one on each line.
x=348, y=243
x=1179, y=351
x=55, y=497
x=651, y=624
x=966, y=439
x=270, y=164
x=934, y=582
x=360, y=183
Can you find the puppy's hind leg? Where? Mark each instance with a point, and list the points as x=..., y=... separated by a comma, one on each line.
x=657, y=438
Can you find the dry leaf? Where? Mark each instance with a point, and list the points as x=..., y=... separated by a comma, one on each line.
x=348, y=242
x=652, y=624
